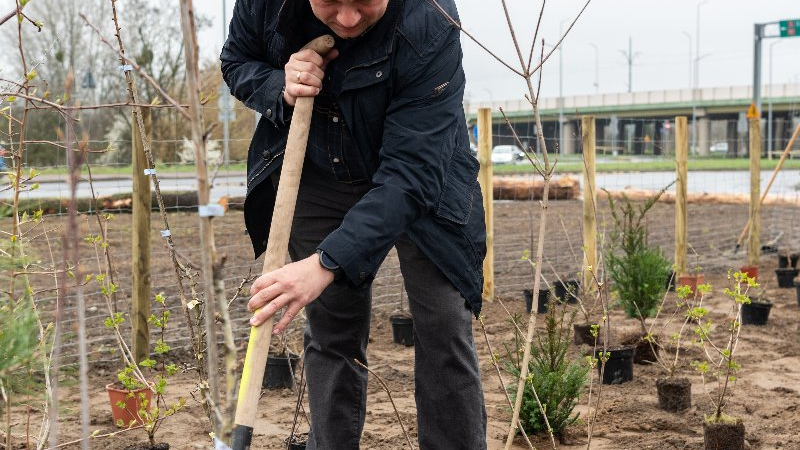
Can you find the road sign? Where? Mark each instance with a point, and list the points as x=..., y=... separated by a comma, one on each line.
x=790, y=28
x=752, y=112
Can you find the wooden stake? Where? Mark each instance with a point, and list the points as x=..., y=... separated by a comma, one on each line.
x=681, y=219
x=485, y=179
x=588, y=137
x=140, y=244
x=754, y=242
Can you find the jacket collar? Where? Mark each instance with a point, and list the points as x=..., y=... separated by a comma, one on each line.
x=375, y=45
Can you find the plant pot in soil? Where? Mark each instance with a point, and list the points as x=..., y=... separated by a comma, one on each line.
x=279, y=373
x=783, y=261
x=674, y=394
x=567, y=291
x=692, y=280
x=619, y=366
x=645, y=352
x=528, y=295
x=541, y=303
x=723, y=435
x=756, y=313
x=751, y=271
x=793, y=259
x=402, y=329
x=147, y=446
x=132, y=400
x=296, y=442
x=786, y=277
x=582, y=334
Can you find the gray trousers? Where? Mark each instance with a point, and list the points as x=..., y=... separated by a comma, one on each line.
x=448, y=393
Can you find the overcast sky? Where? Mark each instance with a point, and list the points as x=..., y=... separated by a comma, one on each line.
x=658, y=30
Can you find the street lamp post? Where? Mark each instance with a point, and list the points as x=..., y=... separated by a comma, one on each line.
x=769, y=103
x=596, y=68
x=689, y=36
x=696, y=78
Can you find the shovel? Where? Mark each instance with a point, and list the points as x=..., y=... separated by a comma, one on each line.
x=277, y=246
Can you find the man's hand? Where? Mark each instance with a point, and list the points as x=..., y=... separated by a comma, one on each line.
x=294, y=285
x=304, y=73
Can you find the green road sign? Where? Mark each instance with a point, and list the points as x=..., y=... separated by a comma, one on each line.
x=790, y=28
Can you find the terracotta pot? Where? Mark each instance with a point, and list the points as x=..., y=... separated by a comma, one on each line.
x=692, y=280
x=723, y=435
x=751, y=271
x=125, y=404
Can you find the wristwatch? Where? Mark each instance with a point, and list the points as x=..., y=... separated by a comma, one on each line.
x=329, y=264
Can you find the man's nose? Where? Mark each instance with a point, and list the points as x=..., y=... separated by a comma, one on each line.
x=348, y=17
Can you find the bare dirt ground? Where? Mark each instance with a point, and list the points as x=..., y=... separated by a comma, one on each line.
x=766, y=395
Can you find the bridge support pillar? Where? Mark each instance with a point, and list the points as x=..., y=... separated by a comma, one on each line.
x=703, y=135
x=732, y=136
x=569, y=138
x=778, y=131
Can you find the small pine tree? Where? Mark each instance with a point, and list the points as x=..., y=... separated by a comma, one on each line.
x=558, y=380
x=637, y=269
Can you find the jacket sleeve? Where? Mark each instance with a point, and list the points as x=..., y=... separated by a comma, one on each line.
x=245, y=61
x=419, y=161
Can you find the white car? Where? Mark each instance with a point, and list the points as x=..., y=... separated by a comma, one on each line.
x=719, y=147
x=507, y=154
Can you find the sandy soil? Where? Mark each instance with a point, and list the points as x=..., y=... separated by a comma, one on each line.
x=766, y=395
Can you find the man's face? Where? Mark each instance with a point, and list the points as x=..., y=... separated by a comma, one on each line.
x=349, y=18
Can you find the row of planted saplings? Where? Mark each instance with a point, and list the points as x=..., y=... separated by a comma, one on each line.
x=787, y=271
x=615, y=359
x=669, y=323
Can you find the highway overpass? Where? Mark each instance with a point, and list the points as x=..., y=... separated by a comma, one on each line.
x=642, y=123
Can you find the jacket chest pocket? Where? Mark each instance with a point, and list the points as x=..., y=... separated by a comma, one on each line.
x=460, y=183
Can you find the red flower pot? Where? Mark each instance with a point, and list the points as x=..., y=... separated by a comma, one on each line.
x=132, y=403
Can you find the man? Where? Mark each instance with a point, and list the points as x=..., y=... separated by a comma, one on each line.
x=387, y=164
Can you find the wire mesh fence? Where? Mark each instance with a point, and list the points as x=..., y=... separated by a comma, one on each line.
x=717, y=214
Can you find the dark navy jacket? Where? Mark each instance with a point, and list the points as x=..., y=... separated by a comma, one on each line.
x=399, y=91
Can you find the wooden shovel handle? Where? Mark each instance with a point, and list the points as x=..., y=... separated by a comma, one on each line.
x=277, y=246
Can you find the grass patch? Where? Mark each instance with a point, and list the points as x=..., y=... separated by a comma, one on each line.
x=573, y=164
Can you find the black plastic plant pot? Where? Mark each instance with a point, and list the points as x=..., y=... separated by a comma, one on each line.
x=296, y=442
x=793, y=259
x=582, y=334
x=566, y=291
x=528, y=294
x=797, y=291
x=756, y=313
x=674, y=394
x=783, y=261
x=619, y=366
x=279, y=373
x=402, y=329
x=541, y=304
x=723, y=435
x=786, y=277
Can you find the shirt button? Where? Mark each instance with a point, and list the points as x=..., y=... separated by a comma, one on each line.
x=362, y=276
x=335, y=119
x=336, y=160
x=269, y=113
x=378, y=74
x=265, y=154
